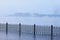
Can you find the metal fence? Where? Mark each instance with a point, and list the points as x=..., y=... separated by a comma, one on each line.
x=35, y=29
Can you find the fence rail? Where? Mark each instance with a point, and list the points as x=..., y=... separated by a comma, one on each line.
x=34, y=29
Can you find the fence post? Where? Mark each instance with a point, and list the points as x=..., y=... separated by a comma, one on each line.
x=51, y=32
x=6, y=28
x=19, y=29
x=34, y=30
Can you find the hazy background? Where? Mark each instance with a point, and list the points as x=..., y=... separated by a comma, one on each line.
x=29, y=11
x=28, y=6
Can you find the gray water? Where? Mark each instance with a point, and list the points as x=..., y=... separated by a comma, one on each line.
x=32, y=20
x=15, y=36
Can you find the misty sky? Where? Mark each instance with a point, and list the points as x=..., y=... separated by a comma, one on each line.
x=14, y=7
x=8, y=7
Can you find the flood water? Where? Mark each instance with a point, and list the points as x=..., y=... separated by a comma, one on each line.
x=25, y=36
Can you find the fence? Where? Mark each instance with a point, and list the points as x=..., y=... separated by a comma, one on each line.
x=35, y=29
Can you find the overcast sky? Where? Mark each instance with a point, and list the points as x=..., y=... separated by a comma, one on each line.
x=8, y=7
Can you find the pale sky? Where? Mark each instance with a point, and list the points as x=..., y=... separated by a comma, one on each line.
x=14, y=7
x=8, y=7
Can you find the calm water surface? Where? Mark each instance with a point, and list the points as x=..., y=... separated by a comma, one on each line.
x=15, y=36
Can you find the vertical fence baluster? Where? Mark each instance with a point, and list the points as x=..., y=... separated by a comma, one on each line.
x=34, y=30
x=19, y=29
x=6, y=28
x=51, y=32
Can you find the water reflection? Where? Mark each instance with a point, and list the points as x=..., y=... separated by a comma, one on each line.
x=25, y=36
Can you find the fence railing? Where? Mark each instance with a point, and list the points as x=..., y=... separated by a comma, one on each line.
x=35, y=29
